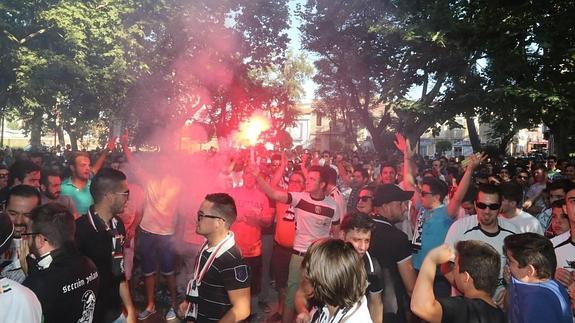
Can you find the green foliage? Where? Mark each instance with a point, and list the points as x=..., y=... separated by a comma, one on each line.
x=442, y=146
x=510, y=63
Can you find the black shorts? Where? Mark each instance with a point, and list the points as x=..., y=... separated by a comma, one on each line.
x=255, y=264
x=280, y=265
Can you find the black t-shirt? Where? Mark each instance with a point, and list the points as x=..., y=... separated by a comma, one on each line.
x=390, y=246
x=228, y=272
x=67, y=288
x=95, y=241
x=471, y=310
x=374, y=274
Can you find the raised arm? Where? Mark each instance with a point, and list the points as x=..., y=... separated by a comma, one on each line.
x=404, y=146
x=134, y=165
x=473, y=162
x=423, y=302
x=102, y=158
x=274, y=194
x=278, y=174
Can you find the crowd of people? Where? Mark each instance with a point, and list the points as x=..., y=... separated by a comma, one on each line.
x=336, y=237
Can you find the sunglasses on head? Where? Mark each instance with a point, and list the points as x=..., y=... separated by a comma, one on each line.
x=483, y=206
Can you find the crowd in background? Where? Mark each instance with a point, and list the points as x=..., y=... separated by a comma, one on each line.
x=402, y=238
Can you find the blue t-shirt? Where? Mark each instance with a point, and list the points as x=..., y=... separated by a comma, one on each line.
x=538, y=302
x=430, y=231
x=81, y=197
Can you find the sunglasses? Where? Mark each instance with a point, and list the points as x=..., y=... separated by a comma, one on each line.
x=522, y=177
x=426, y=193
x=203, y=215
x=483, y=206
x=365, y=198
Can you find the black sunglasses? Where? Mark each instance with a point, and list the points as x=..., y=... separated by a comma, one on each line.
x=483, y=206
x=203, y=215
x=365, y=198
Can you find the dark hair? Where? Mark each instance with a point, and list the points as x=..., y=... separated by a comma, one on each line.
x=322, y=170
x=331, y=175
x=532, y=249
x=562, y=184
x=512, y=192
x=389, y=165
x=20, y=169
x=55, y=222
x=481, y=261
x=552, y=157
x=224, y=206
x=364, y=172
x=106, y=181
x=48, y=172
x=335, y=271
x=471, y=194
x=357, y=220
x=452, y=170
x=436, y=186
x=24, y=191
x=489, y=189
x=558, y=204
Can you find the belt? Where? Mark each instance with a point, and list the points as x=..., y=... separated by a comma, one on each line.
x=298, y=253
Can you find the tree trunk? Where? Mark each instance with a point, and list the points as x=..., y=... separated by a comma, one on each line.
x=73, y=138
x=505, y=142
x=36, y=130
x=473, y=135
x=60, y=134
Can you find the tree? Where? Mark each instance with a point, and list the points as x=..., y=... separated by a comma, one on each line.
x=442, y=146
x=469, y=58
x=209, y=59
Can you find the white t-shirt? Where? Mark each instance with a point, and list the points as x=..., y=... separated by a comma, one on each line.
x=18, y=303
x=564, y=251
x=525, y=222
x=358, y=313
x=468, y=229
x=313, y=218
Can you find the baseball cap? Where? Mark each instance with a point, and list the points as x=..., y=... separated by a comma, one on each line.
x=386, y=193
x=6, y=232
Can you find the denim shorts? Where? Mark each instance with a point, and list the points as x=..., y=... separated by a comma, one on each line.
x=153, y=248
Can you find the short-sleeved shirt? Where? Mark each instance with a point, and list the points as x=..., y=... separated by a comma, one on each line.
x=94, y=240
x=374, y=274
x=314, y=218
x=547, y=301
x=468, y=228
x=431, y=228
x=525, y=222
x=228, y=272
x=248, y=235
x=18, y=303
x=285, y=225
x=390, y=247
x=470, y=310
x=564, y=251
x=82, y=197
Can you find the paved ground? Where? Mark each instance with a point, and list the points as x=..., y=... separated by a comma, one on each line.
x=162, y=304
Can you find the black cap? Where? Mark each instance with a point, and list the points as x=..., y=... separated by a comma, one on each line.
x=386, y=193
x=6, y=232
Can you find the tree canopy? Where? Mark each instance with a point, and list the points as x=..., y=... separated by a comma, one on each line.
x=410, y=65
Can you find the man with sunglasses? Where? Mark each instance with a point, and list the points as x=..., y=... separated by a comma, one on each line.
x=220, y=287
x=65, y=281
x=100, y=235
x=485, y=226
